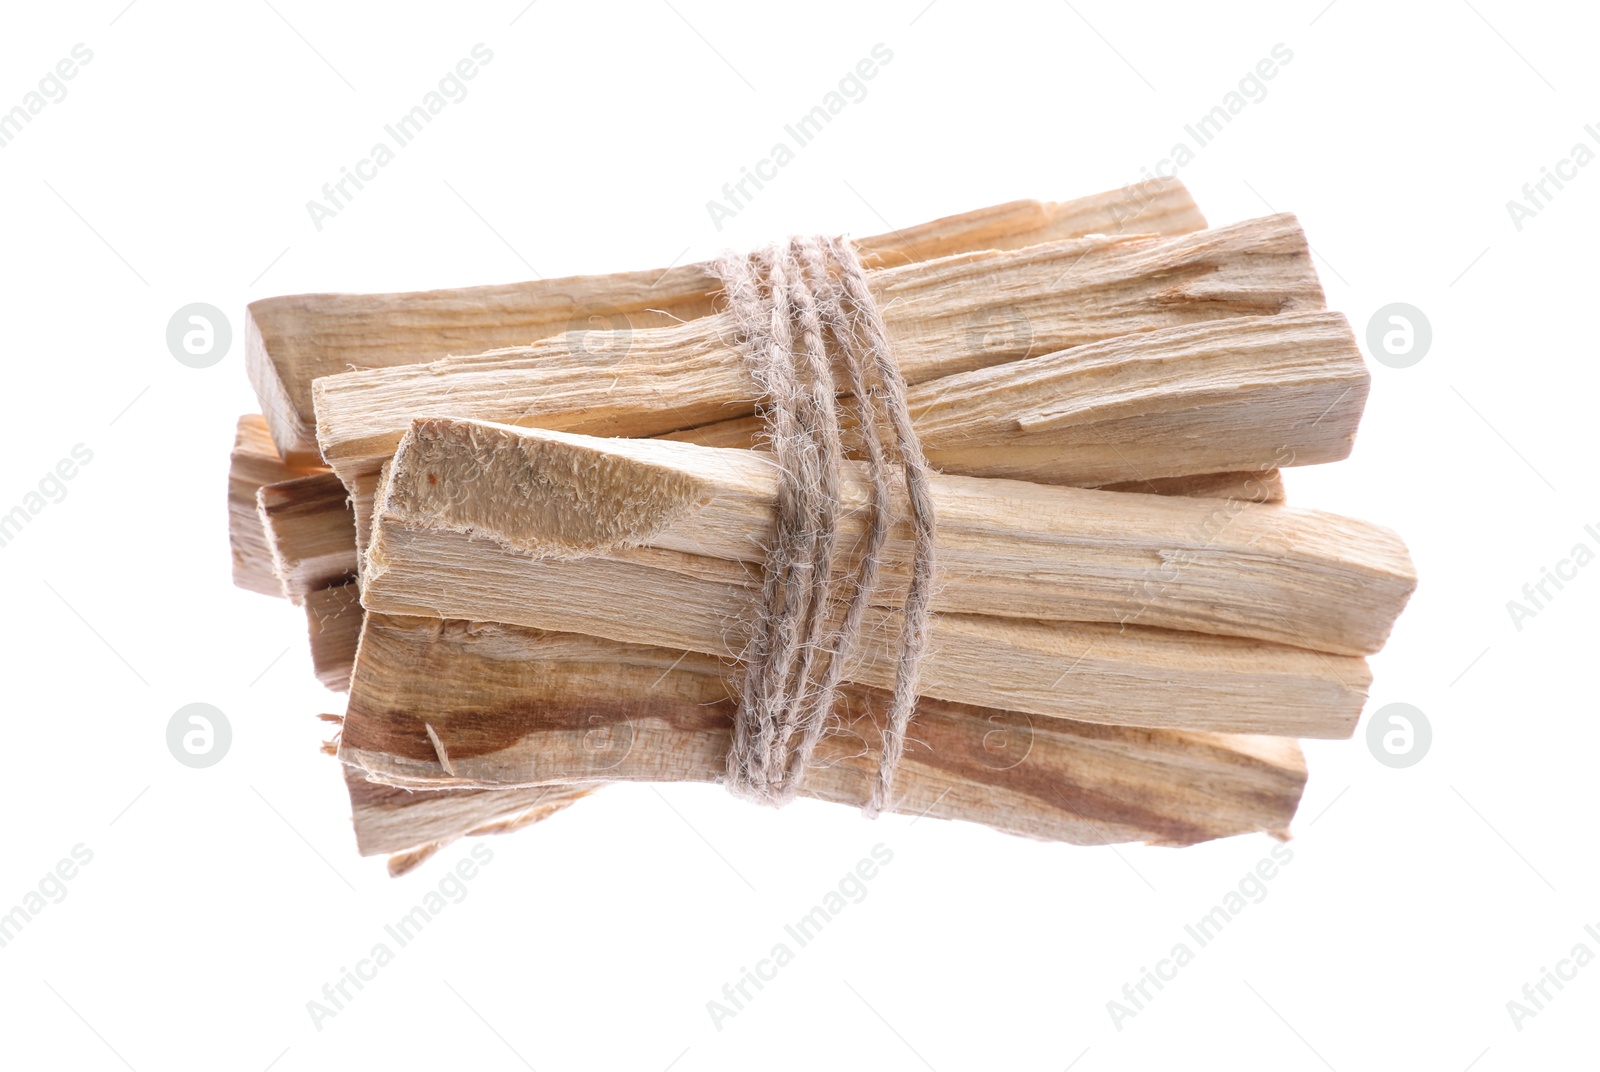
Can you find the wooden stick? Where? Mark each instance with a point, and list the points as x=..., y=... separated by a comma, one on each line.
x=1242, y=394
x=1057, y=296
x=1123, y=675
x=413, y=824
x=333, y=635
x=1005, y=548
x=319, y=507
x=333, y=621
x=334, y=613
x=293, y=340
x=311, y=532
x=253, y=463
x=506, y=706
x=1238, y=396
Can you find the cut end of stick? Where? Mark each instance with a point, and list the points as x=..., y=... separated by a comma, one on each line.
x=566, y=498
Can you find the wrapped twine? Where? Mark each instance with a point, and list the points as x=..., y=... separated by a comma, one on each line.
x=803, y=311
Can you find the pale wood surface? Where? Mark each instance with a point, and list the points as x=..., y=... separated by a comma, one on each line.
x=292, y=340
x=334, y=613
x=310, y=531
x=945, y=317
x=1127, y=675
x=333, y=623
x=517, y=707
x=1241, y=394
x=333, y=644
x=254, y=463
x=1005, y=548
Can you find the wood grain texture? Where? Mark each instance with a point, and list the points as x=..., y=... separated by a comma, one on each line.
x=333, y=612
x=1004, y=548
x=333, y=623
x=253, y=463
x=293, y=340
x=517, y=707
x=1121, y=675
x=333, y=644
x=1236, y=395
x=945, y=317
x=1240, y=395
x=310, y=531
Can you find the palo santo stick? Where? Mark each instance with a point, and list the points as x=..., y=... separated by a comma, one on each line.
x=311, y=532
x=1234, y=395
x=413, y=824
x=1060, y=295
x=334, y=633
x=1004, y=547
x=333, y=621
x=334, y=613
x=1120, y=675
x=293, y=340
x=511, y=706
x=1262, y=484
x=1044, y=467
x=1242, y=394
x=254, y=463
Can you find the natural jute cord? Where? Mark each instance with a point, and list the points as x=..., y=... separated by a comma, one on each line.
x=802, y=308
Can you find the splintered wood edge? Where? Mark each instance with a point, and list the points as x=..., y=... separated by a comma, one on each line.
x=284, y=354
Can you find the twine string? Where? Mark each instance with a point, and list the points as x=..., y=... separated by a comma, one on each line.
x=802, y=308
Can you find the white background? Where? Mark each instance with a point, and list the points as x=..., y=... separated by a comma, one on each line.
x=219, y=901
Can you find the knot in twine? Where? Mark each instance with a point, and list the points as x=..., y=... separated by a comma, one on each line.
x=803, y=313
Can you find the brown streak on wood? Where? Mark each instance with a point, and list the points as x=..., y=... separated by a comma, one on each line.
x=1049, y=778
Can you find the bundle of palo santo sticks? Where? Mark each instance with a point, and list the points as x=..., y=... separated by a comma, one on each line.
x=527, y=524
